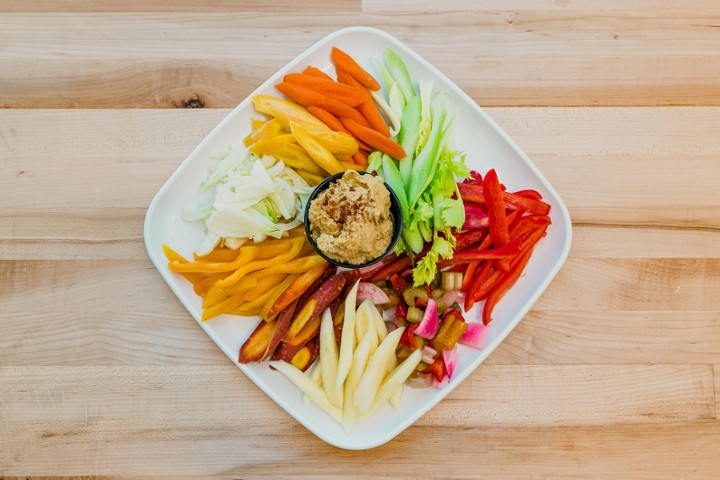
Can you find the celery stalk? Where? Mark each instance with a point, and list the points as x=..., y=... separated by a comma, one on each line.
x=409, y=124
x=398, y=71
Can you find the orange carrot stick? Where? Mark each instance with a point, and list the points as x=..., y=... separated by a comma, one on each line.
x=374, y=139
x=344, y=61
x=310, y=98
x=316, y=72
x=334, y=123
x=360, y=157
x=368, y=109
x=348, y=94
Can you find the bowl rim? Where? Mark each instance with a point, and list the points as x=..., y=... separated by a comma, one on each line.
x=394, y=207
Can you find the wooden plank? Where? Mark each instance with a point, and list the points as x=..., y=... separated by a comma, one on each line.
x=582, y=56
x=197, y=420
x=597, y=337
x=104, y=6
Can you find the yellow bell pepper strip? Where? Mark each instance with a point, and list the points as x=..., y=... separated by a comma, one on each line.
x=297, y=265
x=296, y=245
x=174, y=256
x=269, y=129
x=352, y=166
x=256, y=123
x=290, y=153
x=254, y=298
x=246, y=254
x=286, y=111
x=215, y=294
x=203, y=285
x=321, y=155
x=218, y=255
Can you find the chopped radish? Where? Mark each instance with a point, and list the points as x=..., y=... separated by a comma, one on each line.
x=450, y=297
x=450, y=357
x=372, y=292
x=401, y=309
x=428, y=326
x=475, y=335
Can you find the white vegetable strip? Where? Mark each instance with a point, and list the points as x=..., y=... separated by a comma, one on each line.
x=376, y=370
x=391, y=384
x=329, y=359
x=347, y=339
x=307, y=386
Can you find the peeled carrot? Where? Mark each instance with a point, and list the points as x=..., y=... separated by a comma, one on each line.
x=316, y=72
x=344, y=61
x=360, y=158
x=374, y=139
x=348, y=94
x=368, y=109
x=334, y=123
x=310, y=98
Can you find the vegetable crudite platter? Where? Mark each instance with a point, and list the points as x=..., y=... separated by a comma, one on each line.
x=354, y=320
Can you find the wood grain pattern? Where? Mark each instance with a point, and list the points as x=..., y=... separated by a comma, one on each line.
x=613, y=374
x=150, y=414
x=553, y=54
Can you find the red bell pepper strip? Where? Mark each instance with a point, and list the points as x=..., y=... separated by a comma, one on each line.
x=504, y=285
x=496, y=209
x=529, y=193
x=469, y=274
x=505, y=252
x=467, y=239
x=475, y=284
x=474, y=193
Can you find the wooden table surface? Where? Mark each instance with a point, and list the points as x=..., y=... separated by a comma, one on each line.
x=614, y=373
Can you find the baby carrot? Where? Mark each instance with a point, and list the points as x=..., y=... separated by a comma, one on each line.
x=368, y=109
x=333, y=122
x=310, y=98
x=348, y=94
x=316, y=72
x=360, y=158
x=374, y=139
x=344, y=61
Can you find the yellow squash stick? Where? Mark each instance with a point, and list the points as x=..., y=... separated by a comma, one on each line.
x=321, y=155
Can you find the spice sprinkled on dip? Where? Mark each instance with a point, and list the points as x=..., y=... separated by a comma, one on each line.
x=350, y=221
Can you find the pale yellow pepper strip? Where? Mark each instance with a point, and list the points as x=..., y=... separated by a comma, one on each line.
x=321, y=155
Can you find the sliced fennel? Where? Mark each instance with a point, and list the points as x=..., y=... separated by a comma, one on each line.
x=245, y=197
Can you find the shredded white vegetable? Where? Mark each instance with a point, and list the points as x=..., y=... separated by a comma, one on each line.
x=245, y=197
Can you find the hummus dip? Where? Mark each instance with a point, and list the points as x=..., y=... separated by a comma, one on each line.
x=350, y=221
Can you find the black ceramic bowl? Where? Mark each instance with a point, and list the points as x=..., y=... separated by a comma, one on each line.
x=395, y=212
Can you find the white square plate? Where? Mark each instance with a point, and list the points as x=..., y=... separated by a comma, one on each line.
x=486, y=145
